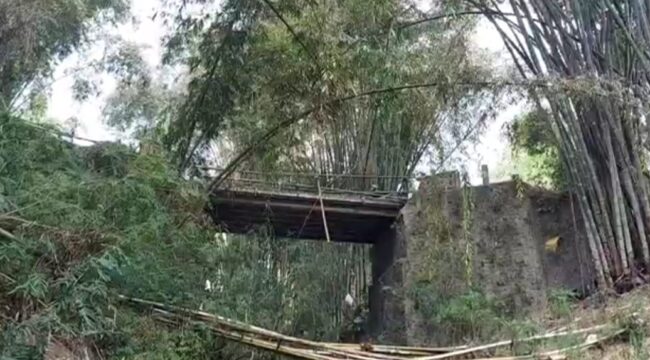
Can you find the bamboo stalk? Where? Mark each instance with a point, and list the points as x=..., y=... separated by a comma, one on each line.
x=7, y=234
x=322, y=211
x=389, y=348
x=598, y=135
x=504, y=343
x=617, y=198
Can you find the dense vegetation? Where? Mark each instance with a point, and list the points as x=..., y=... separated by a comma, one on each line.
x=89, y=223
x=537, y=158
x=369, y=89
x=599, y=52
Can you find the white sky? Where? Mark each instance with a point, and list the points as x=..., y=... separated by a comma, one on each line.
x=62, y=106
x=491, y=149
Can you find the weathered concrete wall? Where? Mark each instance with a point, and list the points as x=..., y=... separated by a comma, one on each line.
x=570, y=266
x=488, y=237
x=506, y=260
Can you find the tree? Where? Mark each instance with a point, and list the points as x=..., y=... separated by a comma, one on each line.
x=35, y=33
x=145, y=100
x=319, y=52
x=536, y=154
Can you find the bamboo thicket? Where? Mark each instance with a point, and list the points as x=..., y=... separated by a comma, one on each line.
x=595, y=55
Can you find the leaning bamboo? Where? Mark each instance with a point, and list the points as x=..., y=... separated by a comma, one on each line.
x=505, y=343
x=596, y=127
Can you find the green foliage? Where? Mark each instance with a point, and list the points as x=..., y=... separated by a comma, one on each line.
x=154, y=341
x=144, y=107
x=107, y=159
x=96, y=221
x=36, y=33
x=57, y=274
x=638, y=339
x=473, y=314
x=145, y=100
x=537, y=158
x=329, y=49
x=472, y=317
x=517, y=329
x=636, y=328
x=561, y=303
x=468, y=316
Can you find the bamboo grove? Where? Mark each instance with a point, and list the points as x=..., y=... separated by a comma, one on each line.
x=319, y=111
x=591, y=59
x=599, y=51
x=321, y=51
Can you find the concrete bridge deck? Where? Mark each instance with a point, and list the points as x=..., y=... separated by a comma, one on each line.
x=298, y=214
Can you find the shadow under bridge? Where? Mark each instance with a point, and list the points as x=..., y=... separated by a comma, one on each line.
x=312, y=211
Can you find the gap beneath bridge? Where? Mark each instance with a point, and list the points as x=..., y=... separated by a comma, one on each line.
x=350, y=218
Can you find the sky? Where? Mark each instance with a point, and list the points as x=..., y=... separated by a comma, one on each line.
x=144, y=30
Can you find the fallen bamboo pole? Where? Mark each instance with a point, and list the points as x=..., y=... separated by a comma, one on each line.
x=504, y=343
x=249, y=329
x=7, y=234
x=312, y=350
x=267, y=345
x=390, y=348
x=554, y=354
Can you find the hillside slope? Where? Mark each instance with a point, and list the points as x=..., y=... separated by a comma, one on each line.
x=80, y=225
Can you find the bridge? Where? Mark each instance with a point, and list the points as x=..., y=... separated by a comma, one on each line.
x=332, y=208
x=315, y=207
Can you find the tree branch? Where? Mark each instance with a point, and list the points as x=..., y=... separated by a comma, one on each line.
x=458, y=14
x=289, y=28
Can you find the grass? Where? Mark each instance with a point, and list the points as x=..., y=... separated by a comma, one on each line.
x=630, y=311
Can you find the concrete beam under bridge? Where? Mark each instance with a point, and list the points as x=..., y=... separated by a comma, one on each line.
x=350, y=218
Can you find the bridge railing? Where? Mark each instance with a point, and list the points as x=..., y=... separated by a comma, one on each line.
x=385, y=186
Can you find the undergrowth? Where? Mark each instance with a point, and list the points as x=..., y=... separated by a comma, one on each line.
x=463, y=317
x=81, y=220
x=84, y=224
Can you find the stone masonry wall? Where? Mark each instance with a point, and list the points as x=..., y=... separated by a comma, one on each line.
x=489, y=237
